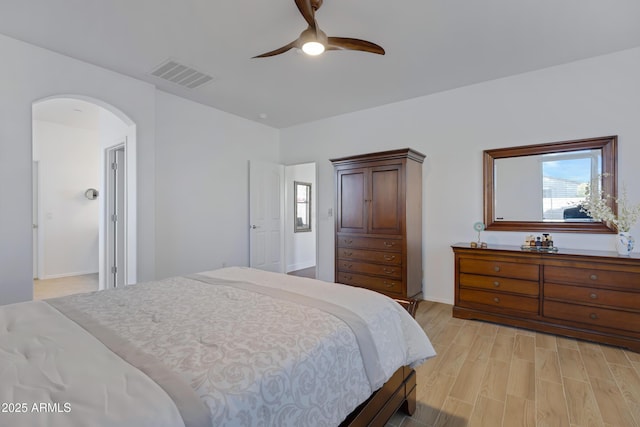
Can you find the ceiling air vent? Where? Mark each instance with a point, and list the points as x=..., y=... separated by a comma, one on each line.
x=181, y=74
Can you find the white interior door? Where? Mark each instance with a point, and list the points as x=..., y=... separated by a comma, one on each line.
x=266, y=216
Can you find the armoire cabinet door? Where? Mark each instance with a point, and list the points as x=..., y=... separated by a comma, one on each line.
x=385, y=201
x=352, y=209
x=369, y=200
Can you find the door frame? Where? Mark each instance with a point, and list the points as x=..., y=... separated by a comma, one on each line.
x=285, y=208
x=108, y=244
x=290, y=214
x=37, y=220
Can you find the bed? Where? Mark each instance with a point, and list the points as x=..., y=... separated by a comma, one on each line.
x=229, y=347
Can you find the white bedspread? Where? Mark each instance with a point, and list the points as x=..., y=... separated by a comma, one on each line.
x=254, y=359
x=53, y=373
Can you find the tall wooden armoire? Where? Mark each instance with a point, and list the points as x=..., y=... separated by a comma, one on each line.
x=379, y=221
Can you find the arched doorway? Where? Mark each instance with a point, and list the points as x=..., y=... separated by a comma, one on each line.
x=82, y=144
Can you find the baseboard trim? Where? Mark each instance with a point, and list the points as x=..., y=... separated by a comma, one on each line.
x=59, y=276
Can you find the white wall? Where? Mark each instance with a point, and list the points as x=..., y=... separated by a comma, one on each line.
x=202, y=183
x=300, y=248
x=69, y=162
x=35, y=74
x=590, y=98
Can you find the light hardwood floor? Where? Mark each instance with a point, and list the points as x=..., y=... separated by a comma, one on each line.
x=53, y=288
x=491, y=375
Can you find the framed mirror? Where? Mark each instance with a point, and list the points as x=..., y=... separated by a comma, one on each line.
x=302, y=208
x=539, y=187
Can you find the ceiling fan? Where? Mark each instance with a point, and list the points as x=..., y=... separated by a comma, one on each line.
x=313, y=41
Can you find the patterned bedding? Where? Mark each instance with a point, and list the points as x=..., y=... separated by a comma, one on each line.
x=254, y=348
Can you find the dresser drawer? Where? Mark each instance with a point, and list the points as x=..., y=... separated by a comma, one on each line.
x=499, y=268
x=498, y=300
x=597, y=316
x=392, y=271
x=587, y=295
x=592, y=277
x=370, y=256
x=516, y=286
x=373, y=283
x=370, y=243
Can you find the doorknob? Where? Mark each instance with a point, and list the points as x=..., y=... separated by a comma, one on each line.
x=35, y=226
x=255, y=226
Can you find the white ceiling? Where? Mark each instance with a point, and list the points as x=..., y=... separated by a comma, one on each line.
x=431, y=45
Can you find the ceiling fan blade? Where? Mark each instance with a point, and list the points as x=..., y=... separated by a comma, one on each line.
x=344, y=43
x=305, y=8
x=280, y=50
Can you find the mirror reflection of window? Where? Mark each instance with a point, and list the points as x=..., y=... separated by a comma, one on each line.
x=302, y=197
x=547, y=187
x=566, y=179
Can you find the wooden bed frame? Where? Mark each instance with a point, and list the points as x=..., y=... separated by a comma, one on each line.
x=398, y=392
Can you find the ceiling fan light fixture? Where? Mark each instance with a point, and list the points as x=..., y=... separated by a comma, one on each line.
x=313, y=48
x=313, y=41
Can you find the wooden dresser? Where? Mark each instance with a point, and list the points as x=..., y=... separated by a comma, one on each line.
x=592, y=295
x=379, y=221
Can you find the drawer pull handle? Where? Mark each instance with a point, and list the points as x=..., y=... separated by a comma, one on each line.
x=389, y=271
x=347, y=265
x=388, y=285
x=496, y=299
x=348, y=253
x=593, y=296
x=496, y=284
x=348, y=277
x=593, y=316
x=593, y=277
x=389, y=257
x=389, y=245
x=496, y=268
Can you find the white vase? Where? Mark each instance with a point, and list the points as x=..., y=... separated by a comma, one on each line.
x=624, y=243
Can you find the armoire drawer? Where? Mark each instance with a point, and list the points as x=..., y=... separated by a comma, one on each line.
x=499, y=268
x=503, y=284
x=371, y=282
x=498, y=300
x=592, y=277
x=391, y=271
x=370, y=256
x=582, y=294
x=370, y=243
x=597, y=316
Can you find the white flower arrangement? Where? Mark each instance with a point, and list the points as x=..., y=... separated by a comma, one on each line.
x=597, y=207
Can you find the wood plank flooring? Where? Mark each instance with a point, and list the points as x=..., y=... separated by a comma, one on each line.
x=53, y=288
x=491, y=375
